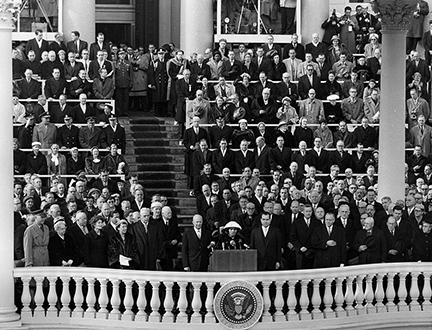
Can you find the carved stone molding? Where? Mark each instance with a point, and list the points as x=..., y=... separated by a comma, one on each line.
x=394, y=14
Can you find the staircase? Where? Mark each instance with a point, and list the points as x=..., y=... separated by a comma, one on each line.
x=154, y=153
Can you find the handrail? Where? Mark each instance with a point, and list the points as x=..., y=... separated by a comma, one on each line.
x=49, y=176
x=134, y=296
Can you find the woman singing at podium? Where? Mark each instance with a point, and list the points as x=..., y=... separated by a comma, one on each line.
x=230, y=238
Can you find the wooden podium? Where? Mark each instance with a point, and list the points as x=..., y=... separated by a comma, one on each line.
x=233, y=261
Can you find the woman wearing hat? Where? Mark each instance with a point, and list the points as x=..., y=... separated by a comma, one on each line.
x=56, y=162
x=373, y=44
x=333, y=110
x=278, y=68
x=96, y=244
x=335, y=49
x=122, y=249
x=94, y=163
x=286, y=113
x=331, y=85
x=231, y=239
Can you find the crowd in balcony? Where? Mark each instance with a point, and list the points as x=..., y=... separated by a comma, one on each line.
x=311, y=207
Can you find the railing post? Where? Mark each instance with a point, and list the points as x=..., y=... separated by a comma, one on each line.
x=266, y=316
x=52, y=298
x=39, y=298
x=328, y=299
x=279, y=315
x=402, y=293
x=154, y=302
x=292, y=301
x=78, y=299
x=304, y=301
x=103, y=300
x=379, y=294
x=209, y=317
x=369, y=295
x=65, y=298
x=349, y=297
x=182, y=304
x=128, y=315
x=316, y=300
x=168, y=317
x=414, y=293
x=426, y=292
x=26, y=312
x=141, y=302
x=359, y=296
x=196, y=303
x=391, y=293
x=90, y=313
x=339, y=298
x=115, y=301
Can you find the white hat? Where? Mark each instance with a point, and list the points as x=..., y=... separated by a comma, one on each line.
x=232, y=224
x=242, y=121
x=36, y=143
x=333, y=97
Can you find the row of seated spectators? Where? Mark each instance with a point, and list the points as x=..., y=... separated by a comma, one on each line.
x=307, y=228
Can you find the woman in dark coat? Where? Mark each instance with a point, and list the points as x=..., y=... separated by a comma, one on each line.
x=231, y=239
x=96, y=244
x=278, y=68
x=123, y=245
x=60, y=246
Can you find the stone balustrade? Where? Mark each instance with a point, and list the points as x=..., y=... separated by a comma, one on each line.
x=52, y=294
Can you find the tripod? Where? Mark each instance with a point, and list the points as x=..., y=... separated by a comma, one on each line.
x=260, y=22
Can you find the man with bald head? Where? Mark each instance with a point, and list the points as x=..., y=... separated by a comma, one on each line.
x=370, y=243
x=196, y=246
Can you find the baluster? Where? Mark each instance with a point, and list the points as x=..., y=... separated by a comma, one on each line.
x=128, y=315
x=359, y=296
x=349, y=297
x=339, y=298
x=316, y=300
x=168, y=317
x=279, y=302
x=196, y=303
x=142, y=302
x=304, y=301
x=78, y=299
x=65, y=299
x=26, y=312
x=90, y=313
x=103, y=300
x=209, y=317
x=154, y=303
x=328, y=299
x=414, y=293
x=52, y=298
x=379, y=294
x=402, y=293
x=292, y=302
x=39, y=298
x=182, y=304
x=390, y=293
x=427, y=292
x=369, y=295
x=266, y=316
x=115, y=301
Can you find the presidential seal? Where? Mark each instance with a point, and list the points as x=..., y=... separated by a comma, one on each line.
x=238, y=305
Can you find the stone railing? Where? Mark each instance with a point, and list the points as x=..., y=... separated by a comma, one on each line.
x=50, y=295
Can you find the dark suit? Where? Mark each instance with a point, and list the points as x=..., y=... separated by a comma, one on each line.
x=148, y=244
x=280, y=159
x=376, y=251
x=262, y=162
x=219, y=162
x=299, y=49
x=396, y=241
x=192, y=139
x=54, y=88
x=169, y=252
x=72, y=47
x=29, y=90
x=78, y=87
x=202, y=205
x=94, y=68
x=184, y=90
x=231, y=72
x=304, y=85
x=265, y=65
x=57, y=114
x=72, y=71
x=328, y=256
x=195, y=253
x=300, y=236
x=79, y=117
x=321, y=161
x=296, y=179
x=241, y=161
x=88, y=139
x=77, y=238
x=33, y=45
x=344, y=161
x=117, y=137
x=268, y=248
x=94, y=48
x=198, y=72
x=320, y=48
x=68, y=137
x=422, y=246
x=60, y=250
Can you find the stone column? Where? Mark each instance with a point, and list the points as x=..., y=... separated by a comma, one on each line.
x=80, y=15
x=164, y=21
x=313, y=14
x=391, y=168
x=197, y=26
x=8, y=317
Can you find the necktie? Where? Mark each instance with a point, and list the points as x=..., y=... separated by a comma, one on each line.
x=199, y=234
x=145, y=228
x=293, y=75
x=329, y=230
x=307, y=222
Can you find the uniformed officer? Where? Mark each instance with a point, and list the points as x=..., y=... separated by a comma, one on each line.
x=123, y=83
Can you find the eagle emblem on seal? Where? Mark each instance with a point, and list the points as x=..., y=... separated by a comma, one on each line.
x=238, y=306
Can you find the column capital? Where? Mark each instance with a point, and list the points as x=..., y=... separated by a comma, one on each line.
x=394, y=14
x=7, y=10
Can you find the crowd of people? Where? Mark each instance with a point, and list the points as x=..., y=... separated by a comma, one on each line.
x=312, y=207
